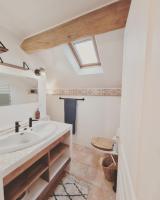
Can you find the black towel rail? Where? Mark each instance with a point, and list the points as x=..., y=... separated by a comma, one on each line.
x=75, y=99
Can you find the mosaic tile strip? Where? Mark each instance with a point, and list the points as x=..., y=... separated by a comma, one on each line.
x=88, y=92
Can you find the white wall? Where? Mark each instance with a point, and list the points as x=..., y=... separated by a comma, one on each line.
x=133, y=82
x=150, y=139
x=140, y=125
x=96, y=116
x=9, y=114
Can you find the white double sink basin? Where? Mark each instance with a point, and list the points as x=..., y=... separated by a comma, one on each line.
x=24, y=139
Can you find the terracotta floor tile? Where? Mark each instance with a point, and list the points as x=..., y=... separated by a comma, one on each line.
x=100, y=194
x=86, y=165
x=86, y=156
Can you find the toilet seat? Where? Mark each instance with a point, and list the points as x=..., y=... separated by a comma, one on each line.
x=104, y=144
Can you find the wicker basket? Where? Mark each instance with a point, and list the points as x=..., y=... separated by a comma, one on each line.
x=109, y=168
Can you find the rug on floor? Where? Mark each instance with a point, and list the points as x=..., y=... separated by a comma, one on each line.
x=70, y=188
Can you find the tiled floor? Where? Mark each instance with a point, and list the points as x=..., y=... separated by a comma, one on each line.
x=86, y=166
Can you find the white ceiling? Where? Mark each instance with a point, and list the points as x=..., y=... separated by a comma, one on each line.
x=27, y=17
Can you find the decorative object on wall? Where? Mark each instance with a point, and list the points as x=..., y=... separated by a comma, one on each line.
x=2, y=48
x=88, y=92
x=39, y=72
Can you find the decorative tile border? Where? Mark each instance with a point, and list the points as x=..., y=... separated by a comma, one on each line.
x=88, y=92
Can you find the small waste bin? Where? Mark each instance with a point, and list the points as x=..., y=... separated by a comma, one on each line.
x=109, y=168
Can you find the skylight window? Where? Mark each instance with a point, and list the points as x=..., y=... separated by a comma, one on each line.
x=85, y=52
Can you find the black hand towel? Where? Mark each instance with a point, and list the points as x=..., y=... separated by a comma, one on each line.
x=70, y=108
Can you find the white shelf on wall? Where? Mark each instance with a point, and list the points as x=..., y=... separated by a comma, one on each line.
x=4, y=69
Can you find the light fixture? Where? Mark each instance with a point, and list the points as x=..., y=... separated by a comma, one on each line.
x=40, y=71
x=33, y=91
x=37, y=72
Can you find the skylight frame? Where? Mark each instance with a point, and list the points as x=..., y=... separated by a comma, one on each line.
x=77, y=57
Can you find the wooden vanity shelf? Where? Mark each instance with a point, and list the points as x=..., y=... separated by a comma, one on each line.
x=39, y=175
x=23, y=182
x=57, y=152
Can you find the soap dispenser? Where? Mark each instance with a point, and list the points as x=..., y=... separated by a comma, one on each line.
x=37, y=114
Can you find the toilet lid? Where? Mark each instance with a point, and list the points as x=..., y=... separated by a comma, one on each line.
x=105, y=144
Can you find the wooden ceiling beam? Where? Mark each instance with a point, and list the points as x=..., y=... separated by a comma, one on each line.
x=108, y=18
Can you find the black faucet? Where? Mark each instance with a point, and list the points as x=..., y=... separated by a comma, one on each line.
x=31, y=120
x=17, y=125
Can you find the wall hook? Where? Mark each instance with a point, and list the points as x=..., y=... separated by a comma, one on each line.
x=1, y=61
x=25, y=66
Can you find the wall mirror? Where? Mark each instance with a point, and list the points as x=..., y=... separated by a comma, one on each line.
x=17, y=90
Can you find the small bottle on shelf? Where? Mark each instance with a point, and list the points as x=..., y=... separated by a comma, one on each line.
x=37, y=114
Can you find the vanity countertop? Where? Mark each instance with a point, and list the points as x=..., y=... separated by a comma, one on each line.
x=10, y=161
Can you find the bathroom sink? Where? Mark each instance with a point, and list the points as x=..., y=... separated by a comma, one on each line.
x=44, y=128
x=18, y=141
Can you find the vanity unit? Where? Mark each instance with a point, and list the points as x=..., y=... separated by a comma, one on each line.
x=34, y=171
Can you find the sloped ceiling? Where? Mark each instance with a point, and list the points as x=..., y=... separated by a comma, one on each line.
x=61, y=74
x=27, y=17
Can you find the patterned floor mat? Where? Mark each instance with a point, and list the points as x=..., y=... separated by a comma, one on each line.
x=71, y=189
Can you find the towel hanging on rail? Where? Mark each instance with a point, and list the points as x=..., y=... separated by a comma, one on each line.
x=70, y=110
